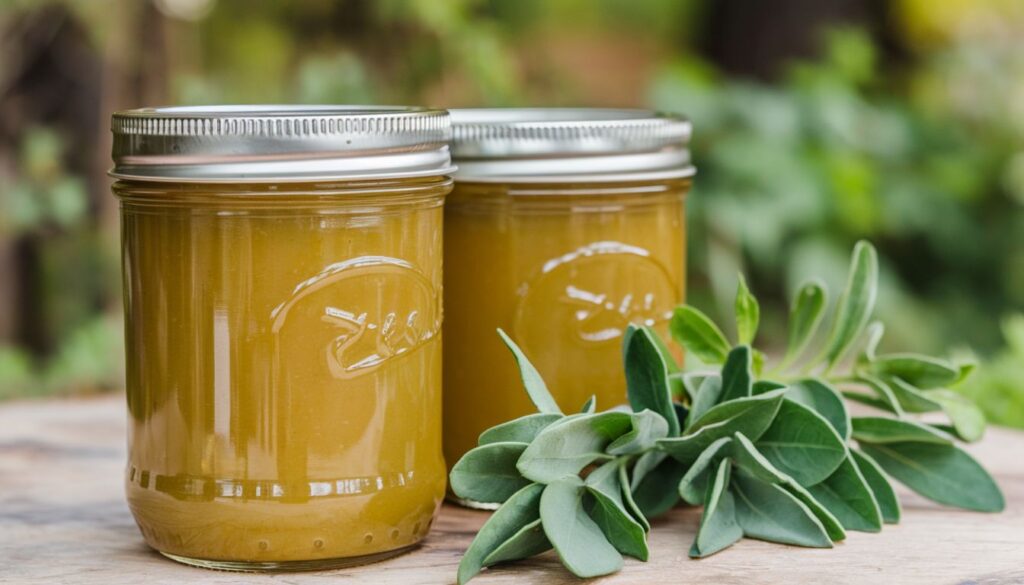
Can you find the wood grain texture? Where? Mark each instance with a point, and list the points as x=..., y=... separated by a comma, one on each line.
x=63, y=520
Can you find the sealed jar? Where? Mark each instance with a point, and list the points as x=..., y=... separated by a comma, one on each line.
x=282, y=281
x=564, y=226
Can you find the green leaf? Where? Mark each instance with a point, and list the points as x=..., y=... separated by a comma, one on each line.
x=579, y=541
x=609, y=512
x=879, y=429
x=855, y=304
x=762, y=386
x=920, y=371
x=706, y=396
x=517, y=512
x=805, y=315
x=630, y=503
x=654, y=477
x=968, y=420
x=823, y=399
x=847, y=495
x=910, y=398
x=943, y=473
x=746, y=456
x=488, y=473
x=521, y=430
x=750, y=416
x=748, y=312
x=647, y=382
x=590, y=405
x=699, y=335
x=802, y=444
x=567, y=447
x=873, y=334
x=532, y=381
x=885, y=496
x=529, y=541
x=694, y=485
x=648, y=427
x=886, y=399
x=737, y=379
x=768, y=512
x=757, y=362
x=718, y=527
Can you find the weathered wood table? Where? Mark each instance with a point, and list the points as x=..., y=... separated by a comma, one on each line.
x=63, y=520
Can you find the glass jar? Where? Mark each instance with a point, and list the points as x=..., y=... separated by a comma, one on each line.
x=282, y=279
x=564, y=226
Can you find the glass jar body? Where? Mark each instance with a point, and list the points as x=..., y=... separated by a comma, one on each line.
x=283, y=369
x=563, y=269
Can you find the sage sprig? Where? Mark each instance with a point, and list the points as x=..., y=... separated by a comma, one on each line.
x=775, y=457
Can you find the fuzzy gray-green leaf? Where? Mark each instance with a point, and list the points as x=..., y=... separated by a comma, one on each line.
x=532, y=381
x=888, y=503
x=881, y=429
x=622, y=531
x=517, y=512
x=579, y=541
x=920, y=371
x=567, y=447
x=694, y=485
x=967, y=419
x=802, y=444
x=822, y=398
x=648, y=427
x=847, y=495
x=521, y=430
x=805, y=315
x=737, y=377
x=647, y=383
x=530, y=540
x=718, y=527
x=707, y=395
x=653, y=483
x=911, y=398
x=768, y=512
x=693, y=330
x=855, y=304
x=488, y=473
x=748, y=312
x=943, y=473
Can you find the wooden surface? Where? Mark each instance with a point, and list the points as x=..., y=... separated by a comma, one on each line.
x=63, y=520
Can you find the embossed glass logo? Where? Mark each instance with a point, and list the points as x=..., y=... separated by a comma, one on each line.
x=375, y=308
x=593, y=293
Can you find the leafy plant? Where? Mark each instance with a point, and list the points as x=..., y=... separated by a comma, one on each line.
x=775, y=457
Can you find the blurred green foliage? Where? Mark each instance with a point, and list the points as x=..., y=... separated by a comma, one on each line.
x=920, y=154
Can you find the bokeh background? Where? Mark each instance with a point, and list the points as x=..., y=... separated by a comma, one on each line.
x=817, y=123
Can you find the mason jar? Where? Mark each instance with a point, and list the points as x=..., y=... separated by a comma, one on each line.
x=282, y=282
x=564, y=226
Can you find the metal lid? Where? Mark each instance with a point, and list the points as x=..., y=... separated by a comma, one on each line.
x=224, y=144
x=569, y=145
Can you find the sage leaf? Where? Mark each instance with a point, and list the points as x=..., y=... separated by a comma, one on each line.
x=879, y=429
x=618, y=526
x=886, y=399
x=873, y=335
x=647, y=384
x=737, y=378
x=694, y=486
x=577, y=539
x=627, y=498
x=488, y=473
x=768, y=512
x=530, y=540
x=757, y=360
x=567, y=447
x=748, y=312
x=888, y=503
x=762, y=386
x=847, y=495
x=521, y=430
x=746, y=457
x=942, y=473
x=823, y=399
x=855, y=304
x=967, y=419
x=718, y=527
x=911, y=398
x=521, y=509
x=693, y=330
x=750, y=416
x=648, y=427
x=805, y=315
x=653, y=492
x=920, y=371
x=590, y=405
x=707, y=395
x=532, y=381
x=802, y=444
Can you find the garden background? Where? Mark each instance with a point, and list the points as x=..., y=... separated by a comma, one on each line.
x=816, y=124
